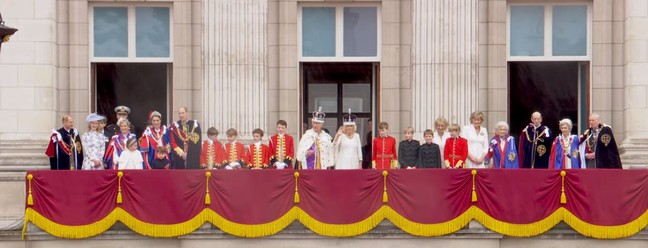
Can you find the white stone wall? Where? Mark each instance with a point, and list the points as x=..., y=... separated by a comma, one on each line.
x=28, y=70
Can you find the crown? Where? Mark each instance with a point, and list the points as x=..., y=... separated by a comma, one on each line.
x=349, y=119
x=319, y=116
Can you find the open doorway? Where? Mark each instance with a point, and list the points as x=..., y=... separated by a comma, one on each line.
x=556, y=89
x=338, y=87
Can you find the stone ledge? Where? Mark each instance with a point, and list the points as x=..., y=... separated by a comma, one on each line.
x=385, y=230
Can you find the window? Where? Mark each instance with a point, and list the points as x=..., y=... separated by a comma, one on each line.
x=131, y=33
x=540, y=32
x=339, y=33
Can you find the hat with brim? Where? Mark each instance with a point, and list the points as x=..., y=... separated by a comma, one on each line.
x=122, y=110
x=94, y=117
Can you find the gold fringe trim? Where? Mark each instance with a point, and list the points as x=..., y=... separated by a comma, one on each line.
x=606, y=232
x=255, y=230
x=30, y=198
x=296, y=199
x=563, y=197
x=473, y=197
x=341, y=230
x=335, y=230
x=385, y=198
x=518, y=230
x=429, y=230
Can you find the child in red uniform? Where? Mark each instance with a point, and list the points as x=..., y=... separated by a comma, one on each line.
x=282, y=147
x=258, y=156
x=456, y=149
x=384, y=149
x=234, y=151
x=212, y=151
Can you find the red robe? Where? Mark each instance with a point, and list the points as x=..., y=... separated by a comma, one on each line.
x=258, y=158
x=234, y=154
x=212, y=154
x=287, y=150
x=384, y=153
x=455, y=152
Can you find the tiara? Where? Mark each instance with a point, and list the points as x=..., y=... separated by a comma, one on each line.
x=349, y=119
x=319, y=116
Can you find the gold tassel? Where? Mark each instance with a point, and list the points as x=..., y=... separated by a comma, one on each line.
x=30, y=198
x=296, y=200
x=385, y=198
x=207, y=197
x=119, y=193
x=473, y=198
x=563, y=197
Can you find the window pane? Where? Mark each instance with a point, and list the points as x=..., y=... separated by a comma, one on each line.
x=357, y=97
x=318, y=32
x=527, y=31
x=322, y=95
x=110, y=32
x=569, y=31
x=360, y=31
x=152, y=31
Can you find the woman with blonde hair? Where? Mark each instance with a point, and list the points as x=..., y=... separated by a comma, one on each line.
x=477, y=137
x=93, y=143
x=441, y=133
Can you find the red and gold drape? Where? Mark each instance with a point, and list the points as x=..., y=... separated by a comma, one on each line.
x=251, y=203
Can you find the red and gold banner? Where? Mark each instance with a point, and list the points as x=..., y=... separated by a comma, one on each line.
x=256, y=203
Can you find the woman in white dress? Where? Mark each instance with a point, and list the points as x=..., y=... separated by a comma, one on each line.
x=93, y=144
x=477, y=137
x=347, y=144
x=441, y=133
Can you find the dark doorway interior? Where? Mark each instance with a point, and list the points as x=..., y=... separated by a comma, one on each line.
x=143, y=87
x=552, y=88
x=338, y=87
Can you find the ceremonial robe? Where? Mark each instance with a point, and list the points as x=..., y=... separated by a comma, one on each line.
x=535, y=146
x=185, y=139
x=152, y=139
x=564, y=152
x=605, y=148
x=504, y=153
x=65, y=150
x=322, y=147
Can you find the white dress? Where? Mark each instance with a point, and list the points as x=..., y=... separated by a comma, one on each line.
x=93, y=149
x=440, y=140
x=131, y=160
x=477, y=144
x=348, y=152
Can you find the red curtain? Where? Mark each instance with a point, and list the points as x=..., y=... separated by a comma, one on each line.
x=253, y=203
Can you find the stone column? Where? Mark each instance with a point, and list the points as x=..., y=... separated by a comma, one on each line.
x=635, y=145
x=445, y=61
x=235, y=65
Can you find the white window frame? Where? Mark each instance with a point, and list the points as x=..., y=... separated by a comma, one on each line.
x=132, y=42
x=339, y=33
x=548, y=33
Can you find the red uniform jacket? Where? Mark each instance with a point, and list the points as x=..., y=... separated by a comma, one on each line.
x=212, y=154
x=455, y=152
x=287, y=149
x=384, y=153
x=234, y=154
x=258, y=158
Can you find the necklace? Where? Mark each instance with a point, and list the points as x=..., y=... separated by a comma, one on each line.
x=566, y=143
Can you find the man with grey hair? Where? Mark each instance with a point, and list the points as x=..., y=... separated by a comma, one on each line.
x=535, y=144
x=598, y=146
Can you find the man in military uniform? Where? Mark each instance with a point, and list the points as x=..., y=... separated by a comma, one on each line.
x=113, y=129
x=186, y=142
x=535, y=144
x=598, y=147
x=64, y=149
